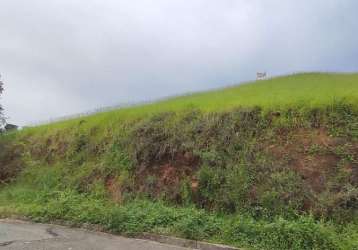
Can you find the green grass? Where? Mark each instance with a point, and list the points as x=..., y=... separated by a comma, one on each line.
x=307, y=90
x=247, y=196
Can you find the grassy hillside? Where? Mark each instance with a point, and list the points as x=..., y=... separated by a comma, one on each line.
x=266, y=165
x=304, y=90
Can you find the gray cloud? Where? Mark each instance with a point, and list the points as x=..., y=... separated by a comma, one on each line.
x=66, y=56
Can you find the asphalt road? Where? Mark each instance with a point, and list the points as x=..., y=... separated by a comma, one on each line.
x=16, y=235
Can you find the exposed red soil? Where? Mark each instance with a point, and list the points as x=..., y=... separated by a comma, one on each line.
x=114, y=189
x=167, y=175
x=310, y=152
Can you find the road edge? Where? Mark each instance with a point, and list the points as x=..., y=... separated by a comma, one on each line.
x=169, y=240
x=186, y=243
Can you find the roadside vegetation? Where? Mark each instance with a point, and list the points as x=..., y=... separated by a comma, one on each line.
x=266, y=165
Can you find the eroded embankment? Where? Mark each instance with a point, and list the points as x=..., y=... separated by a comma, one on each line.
x=267, y=163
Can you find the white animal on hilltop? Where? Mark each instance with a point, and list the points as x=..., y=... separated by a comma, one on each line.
x=261, y=75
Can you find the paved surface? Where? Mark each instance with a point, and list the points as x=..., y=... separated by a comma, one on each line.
x=21, y=235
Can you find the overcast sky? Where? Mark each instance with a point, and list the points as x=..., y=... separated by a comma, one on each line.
x=59, y=57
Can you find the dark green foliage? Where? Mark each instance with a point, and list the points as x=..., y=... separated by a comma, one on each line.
x=236, y=172
x=10, y=158
x=342, y=119
x=116, y=160
x=303, y=233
